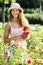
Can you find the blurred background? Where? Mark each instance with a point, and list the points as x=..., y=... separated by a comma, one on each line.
x=33, y=10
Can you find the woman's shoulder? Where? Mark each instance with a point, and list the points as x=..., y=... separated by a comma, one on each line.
x=25, y=22
x=7, y=25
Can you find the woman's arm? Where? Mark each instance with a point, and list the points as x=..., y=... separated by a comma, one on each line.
x=6, y=35
x=26, y=24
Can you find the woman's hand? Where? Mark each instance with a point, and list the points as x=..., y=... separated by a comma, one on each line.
x=25, y=34
x=18, y=38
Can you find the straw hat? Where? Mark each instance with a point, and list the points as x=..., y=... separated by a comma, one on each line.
x=15, y=5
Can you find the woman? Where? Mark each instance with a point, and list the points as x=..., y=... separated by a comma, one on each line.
x=15, y=26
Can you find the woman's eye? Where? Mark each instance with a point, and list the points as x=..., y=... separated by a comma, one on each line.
x=14, y=10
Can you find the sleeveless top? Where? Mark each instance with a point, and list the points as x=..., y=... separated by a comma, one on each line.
x=15, y=31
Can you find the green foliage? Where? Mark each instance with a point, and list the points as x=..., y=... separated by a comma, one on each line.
x=5, y=1
x=29, y=3
x=0, y=0
x=27, y=10
x=35, y=43
x=25, y=4
x=35, y=18
x=34, y=47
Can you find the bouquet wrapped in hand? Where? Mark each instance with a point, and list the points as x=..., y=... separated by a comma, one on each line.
x=26, y=31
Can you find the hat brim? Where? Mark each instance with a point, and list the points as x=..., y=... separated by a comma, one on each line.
x=21, y=9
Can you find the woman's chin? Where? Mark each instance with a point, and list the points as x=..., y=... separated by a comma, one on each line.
x=15, y=16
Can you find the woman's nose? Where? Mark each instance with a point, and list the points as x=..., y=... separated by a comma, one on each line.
x=14, y=11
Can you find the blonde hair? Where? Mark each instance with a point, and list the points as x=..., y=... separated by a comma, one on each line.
x=22, y=19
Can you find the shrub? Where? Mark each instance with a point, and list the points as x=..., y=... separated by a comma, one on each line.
x=35, y=18
x=27, y=10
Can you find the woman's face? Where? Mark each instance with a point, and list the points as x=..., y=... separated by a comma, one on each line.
x=15, y=12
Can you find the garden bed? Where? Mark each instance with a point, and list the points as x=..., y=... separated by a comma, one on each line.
x=34, y=47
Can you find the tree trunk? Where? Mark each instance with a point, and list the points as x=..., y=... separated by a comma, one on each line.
x=10, y=2
x=41, y=5
x=3, y=13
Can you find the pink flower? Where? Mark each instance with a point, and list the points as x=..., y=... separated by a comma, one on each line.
x=21, y=60
x=29, y=61
x=12, y=42
x=7, y=53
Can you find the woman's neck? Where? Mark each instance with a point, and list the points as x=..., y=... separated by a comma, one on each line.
x=14, y=20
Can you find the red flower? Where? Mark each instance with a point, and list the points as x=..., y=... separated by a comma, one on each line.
x=29, y=61
x=27, y=29
x=7, y=53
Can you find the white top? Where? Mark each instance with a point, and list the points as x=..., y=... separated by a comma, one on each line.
x=15, y=31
